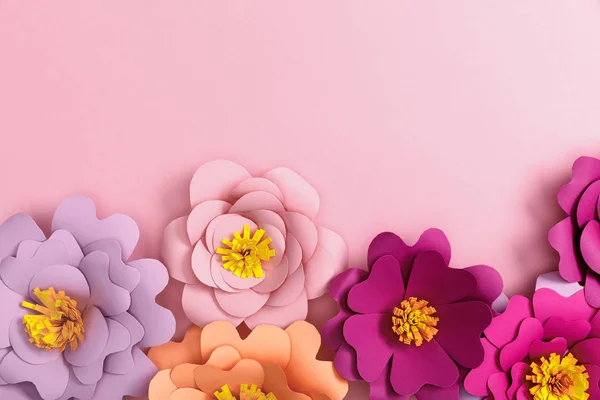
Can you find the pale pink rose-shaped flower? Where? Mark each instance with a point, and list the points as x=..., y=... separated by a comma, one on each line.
x=232, y=275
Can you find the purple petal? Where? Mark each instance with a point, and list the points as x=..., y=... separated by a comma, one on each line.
x=108, y=297
x=592, y=288
x=460, y=328
x=63, y=277
x=50, y=379
x=19, y=340
x=122, y=362
x=94, y=342
x=10, y=307
x=120, y=273
x=547, y=303
x=590, y=245
x=374, y=341
x=476, y=380
x=77, y=214
x=529, y=331
x=71, y=246
x=553, y=280
x=572, y=331
x=413, y=367
x=431, y=279
x=77, y=390
x=587, y=352
x=539, y=349
x=22, y=391
x=586, y=170
x=562, y=239
x=134, y=383
x=345, y=362
x=489, y=284
x=158, y=322
x=381, y=291
x=16, y=272
x=16, y=229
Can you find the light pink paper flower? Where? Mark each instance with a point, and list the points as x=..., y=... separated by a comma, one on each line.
x=290, y=261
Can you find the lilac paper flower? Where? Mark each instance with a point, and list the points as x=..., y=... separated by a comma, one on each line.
x=410, y=325
x=73, y=313
x=577, y=237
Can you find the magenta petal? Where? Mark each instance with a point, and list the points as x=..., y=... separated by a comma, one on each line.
x=539, y=349
x=547, y=303
x=431, y=279
x=342, y=283
x=586, y=208
x=592, y=288
x=594, y=372
x=16, y=229
x=386, y=243
x=460, y=328
x=476, y=380
x=561, y=238
x=590, y=245
x=50, y=379
x=413, y=367
x=372, y=337
x=96, y=337
x=587, y=352
x=572, y=331
x=529, y=331
x=595, y=323
x=333, y=330
x=381, y=388
x=345, y=362
x=489, y=284
x=504, y=328
x=518, y=375
x=429, y=392
x=585, y=171
x=381, y=291
x=498, y=385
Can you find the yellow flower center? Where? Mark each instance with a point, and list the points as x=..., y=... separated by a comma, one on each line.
x=244, y=254
x=559, y=378
x=413, y=321
x=252, y=392
x=58, y=323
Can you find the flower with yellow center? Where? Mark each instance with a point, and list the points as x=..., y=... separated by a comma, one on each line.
x=559, y=378
x=244, y=254
x=413, y=321
x=251, y=392
x=58, y=323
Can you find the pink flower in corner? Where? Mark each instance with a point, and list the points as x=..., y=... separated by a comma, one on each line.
x=249, y=250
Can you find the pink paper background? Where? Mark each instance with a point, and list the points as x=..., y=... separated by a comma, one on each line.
x=464, y=115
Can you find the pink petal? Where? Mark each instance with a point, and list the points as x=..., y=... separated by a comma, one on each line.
x=201, y=215
x=277, y=244
x=229, y=281
x=547, y=303
x=218, y=274
x=561, y=238
x=266, y=217
x=257, y=201
x=215, y=180
x=201, y=264
x=476, y=380
x=538, y=348
x=242, y=304
x=293, y=253
x=298, y=194
x=96, y=338
x=16, y=229
x=201, y=307
x=334, y=245
x=504, y=328
x=329, y=258
x=585, y=171
x=283, y=316
x=304, y=230
x=177, y=251
x=289, y=291
x=108, y=297
x=529, y=331
x=223, y=227
x=77, y=214
x=256, y=185
x=274, y=278
x=590, y=245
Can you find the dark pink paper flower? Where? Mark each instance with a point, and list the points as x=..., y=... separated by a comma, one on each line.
x=410, y=324
x=74, y=312
x=548, y=348
x=577, y=237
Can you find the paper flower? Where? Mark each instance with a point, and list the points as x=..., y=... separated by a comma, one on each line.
x=73, y=314
x=548, y=349
x=410, y=324
x=270, y=364
x=249, y=249
x=577, y=237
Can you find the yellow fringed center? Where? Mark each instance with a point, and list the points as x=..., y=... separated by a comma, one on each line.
x=559, y=378
x=58, y=323
x=413, y=321
x=244, y=254
x=251, y=392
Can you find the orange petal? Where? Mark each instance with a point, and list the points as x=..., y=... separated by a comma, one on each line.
x=264, y=344
x=305, y=373
x=161, y=386
x=210, y=379
x=172, y=354
x=224, y=358
x=182, y=376
x=276, y=382
x=190, y=394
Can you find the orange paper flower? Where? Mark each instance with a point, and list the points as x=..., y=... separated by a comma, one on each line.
x=215, y=363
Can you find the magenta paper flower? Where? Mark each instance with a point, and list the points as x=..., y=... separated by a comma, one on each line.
x=73, y=312
x=249, y=250
x=577, y=237
x=545, y=349
x=410, y=324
